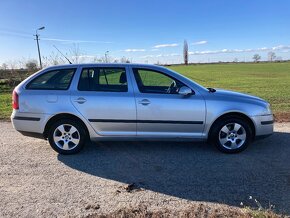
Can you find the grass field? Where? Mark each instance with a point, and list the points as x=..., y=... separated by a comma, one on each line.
x=270, y=81
x=5, y=105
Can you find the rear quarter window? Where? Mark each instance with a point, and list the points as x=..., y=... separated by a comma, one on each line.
x=103, y=79
x=52, y=80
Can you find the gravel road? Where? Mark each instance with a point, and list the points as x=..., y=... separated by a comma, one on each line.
x=35, y=181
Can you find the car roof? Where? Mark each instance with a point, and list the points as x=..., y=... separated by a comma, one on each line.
x=104, y=65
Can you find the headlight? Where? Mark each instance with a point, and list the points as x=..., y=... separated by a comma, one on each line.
x=268, y=109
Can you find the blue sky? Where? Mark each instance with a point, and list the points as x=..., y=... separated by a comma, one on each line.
x=146, y=31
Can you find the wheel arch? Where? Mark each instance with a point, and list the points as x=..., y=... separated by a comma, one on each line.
x=57, y=117
x=233, y=114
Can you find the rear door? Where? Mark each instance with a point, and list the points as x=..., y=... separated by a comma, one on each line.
x=161, y=111
x=105, y=98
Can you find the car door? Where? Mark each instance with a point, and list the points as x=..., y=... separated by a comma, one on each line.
x=105, y=97
x=161, y=111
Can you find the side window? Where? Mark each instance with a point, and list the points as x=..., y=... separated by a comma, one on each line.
x=52, y=80
x=150, y=81
x=103, y=80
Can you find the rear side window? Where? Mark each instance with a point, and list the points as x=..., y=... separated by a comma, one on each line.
x=53, y=80
x=103, y=80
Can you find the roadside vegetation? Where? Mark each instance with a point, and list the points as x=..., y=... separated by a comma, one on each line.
x=267, y=80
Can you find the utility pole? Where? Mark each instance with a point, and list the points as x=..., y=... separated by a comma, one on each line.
x=37, y=39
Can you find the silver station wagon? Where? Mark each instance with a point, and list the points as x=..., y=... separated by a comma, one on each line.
x=71, y=104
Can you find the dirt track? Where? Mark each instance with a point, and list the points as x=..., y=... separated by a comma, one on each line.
x=36, y=181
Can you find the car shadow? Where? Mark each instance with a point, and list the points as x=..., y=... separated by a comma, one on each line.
x=195, y=171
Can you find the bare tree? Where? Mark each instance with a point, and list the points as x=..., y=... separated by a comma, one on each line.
x=55, y=59
x=12, y=66
x=236, y=60
x=21, y=63
x=31, y=65
x=124, y=60
x=75, y=54
x=4, y=66
x=97, y=60
x=256, y=58
x=185, y=52
x=102, y=59
x=108, y=58
x=271, y=56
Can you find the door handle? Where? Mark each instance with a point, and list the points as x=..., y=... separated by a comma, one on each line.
x=80, y=100
x=144, y=102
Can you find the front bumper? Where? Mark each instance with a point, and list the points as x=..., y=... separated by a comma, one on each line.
x=264, y=125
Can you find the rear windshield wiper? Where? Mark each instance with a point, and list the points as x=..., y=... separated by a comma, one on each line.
x=211, y=90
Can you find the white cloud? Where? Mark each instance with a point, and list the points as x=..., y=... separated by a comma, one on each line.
x=165, y=45
x=154, y=49
x=134, y=50
x=74, y=41
x=281, y=47
x=161, y=55
x=223, y=51
x=199, y=42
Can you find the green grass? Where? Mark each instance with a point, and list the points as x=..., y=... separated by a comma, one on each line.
x=5, y=105
x=270, y=81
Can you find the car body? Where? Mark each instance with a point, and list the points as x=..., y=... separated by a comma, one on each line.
x=134, y=101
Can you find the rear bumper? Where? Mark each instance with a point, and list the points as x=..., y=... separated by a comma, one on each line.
x=28, y=122
x=264, y=125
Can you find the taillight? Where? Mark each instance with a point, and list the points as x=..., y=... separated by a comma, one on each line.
x=15, y=100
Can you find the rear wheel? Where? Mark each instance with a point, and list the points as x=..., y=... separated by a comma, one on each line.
x=231, y=135
x=67, y=136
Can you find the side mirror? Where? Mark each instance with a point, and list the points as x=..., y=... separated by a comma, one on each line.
x=185, y=91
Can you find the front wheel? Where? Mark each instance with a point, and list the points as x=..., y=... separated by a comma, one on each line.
x=231, y=135
x=67, y=136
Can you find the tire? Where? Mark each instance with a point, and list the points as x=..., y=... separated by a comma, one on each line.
x=231, y=135
x=67, y=136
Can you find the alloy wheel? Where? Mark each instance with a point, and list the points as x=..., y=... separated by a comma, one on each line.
x=232, y=136
x=66, y=137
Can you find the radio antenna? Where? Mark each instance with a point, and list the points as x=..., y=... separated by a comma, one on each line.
x=62, y=54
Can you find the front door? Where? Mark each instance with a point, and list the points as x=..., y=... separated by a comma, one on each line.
x=105, y=98
x=161, y=111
